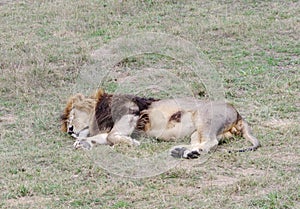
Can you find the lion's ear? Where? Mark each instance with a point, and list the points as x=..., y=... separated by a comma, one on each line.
x=99, y=93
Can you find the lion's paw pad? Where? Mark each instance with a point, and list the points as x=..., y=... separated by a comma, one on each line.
x=183, y=152
x=193, y=154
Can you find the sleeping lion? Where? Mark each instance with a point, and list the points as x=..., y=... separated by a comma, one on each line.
x=109, y=119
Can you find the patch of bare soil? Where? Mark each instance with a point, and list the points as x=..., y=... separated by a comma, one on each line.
x=220, y=181
x=278, y=123
x=27, y=201
x=3, y=2
x=219, y=176
x=7, y=119
x=287, y=158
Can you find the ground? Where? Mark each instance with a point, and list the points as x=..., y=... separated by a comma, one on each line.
x=254, y=47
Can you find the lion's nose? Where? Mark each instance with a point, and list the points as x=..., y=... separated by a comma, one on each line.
x=70, y=130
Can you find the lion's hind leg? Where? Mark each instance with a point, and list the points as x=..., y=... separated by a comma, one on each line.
x=199, y=145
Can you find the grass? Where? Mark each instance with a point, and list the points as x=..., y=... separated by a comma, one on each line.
x=254, y=46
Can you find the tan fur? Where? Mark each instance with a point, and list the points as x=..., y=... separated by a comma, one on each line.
x=206, y=122
x=81, y=103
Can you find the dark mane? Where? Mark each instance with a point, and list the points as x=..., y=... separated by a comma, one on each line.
x=143, y=103
x=111, y=108
x=142, y=122
x=103, y=113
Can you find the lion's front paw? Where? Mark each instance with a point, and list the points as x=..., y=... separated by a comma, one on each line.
x=136, y=142
x=183, y=152
x=81, y=144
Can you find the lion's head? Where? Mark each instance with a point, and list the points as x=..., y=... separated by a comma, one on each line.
x=78, y=113
x=87, y=116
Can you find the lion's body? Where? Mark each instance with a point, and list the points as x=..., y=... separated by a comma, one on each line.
x=111, y=119
x=192, y=115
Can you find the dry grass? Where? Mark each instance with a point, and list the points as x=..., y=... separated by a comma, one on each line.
x=45, y=44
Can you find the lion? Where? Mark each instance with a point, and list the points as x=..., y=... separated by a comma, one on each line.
x=108, y=119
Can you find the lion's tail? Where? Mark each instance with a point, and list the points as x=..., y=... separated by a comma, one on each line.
x=247, y=134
